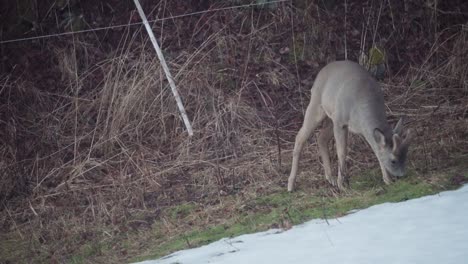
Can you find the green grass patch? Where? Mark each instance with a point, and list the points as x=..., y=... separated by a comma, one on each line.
x=87, y=251
x=235, y=216
x=271, y=210
x=182, y=210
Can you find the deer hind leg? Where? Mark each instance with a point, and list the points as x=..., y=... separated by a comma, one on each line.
x=326, y=133
x=314, y=115
x=341, y=137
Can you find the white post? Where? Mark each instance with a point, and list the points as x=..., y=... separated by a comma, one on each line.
x=165, y=68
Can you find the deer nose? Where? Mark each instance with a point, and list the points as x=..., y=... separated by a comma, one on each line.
x=400, y=172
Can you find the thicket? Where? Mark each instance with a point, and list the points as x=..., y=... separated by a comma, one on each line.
x=90, y=133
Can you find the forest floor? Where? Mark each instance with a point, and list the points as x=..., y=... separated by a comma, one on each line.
x=95, y=163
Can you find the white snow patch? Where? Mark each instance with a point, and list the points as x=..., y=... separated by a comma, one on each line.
x=431, y=229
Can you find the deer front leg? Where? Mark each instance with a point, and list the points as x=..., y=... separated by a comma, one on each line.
x=323, y=139
x=385, y=175
x=341, y=138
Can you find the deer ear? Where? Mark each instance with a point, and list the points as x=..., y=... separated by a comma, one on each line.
x=379, y=137
x=398, y=127
x=396, y=142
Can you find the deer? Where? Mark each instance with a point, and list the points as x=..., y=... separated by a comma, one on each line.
x=346, y=98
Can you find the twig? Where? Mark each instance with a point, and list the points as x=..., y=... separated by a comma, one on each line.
x=165, y=68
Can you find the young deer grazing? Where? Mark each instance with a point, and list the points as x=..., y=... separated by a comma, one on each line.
x=346, y=97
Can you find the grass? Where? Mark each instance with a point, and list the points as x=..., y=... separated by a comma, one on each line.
x=274, y=209
x=278, y=209
x=97, y=166
x=180, y=211
x=87, y=251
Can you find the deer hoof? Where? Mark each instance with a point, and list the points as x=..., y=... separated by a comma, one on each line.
x=343, y=184
x=332, y=181
x=388, y=181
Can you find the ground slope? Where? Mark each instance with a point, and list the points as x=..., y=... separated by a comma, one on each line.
x=431, y=229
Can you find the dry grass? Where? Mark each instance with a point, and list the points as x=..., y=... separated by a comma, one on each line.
x=105, y=150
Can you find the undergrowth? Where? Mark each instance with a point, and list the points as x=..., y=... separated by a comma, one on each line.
x=95, y=163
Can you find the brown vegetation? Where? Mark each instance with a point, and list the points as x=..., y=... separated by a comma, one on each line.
x=90, y=134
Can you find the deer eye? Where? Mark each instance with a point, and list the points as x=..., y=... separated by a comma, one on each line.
x=393, y=161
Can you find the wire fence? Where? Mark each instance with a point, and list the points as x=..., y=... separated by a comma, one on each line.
x=138, y=23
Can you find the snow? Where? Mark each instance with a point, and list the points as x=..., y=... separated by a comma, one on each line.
x=431, y=229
